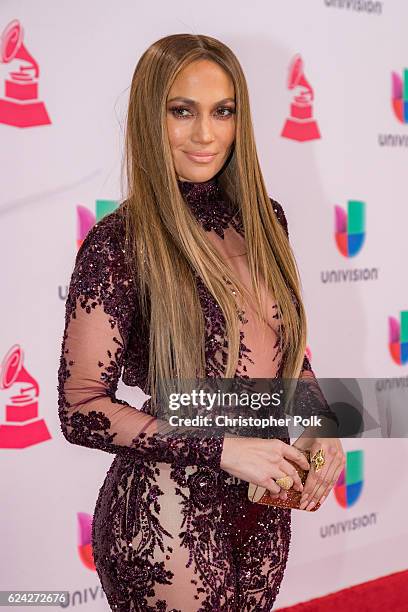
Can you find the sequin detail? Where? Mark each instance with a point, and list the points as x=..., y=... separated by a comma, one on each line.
x=210, y=206
x=171, y=530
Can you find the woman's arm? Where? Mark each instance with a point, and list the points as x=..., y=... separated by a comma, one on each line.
x=309, y=399
x=100, y=310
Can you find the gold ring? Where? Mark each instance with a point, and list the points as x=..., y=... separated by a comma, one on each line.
x=318, y=460
x=286, y=482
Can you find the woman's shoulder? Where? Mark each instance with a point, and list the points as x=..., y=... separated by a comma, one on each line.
x=102, y=277
x=102, y=257
x=108, y=234
x=280, y=213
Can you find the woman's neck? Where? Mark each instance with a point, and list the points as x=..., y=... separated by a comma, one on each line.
x=210, y=206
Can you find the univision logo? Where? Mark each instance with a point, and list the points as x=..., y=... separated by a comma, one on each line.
x=350, y=483
x=349, y=235
x=398, y=338
x=85, y=540
x=87, y=219
x=400, y=95
x=349, y=228
x=399, y=100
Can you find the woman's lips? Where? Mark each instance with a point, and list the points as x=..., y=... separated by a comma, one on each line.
x=201, y=158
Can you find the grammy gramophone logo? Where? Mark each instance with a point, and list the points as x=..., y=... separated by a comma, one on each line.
x=19, y=102
x=300, y=124
x=20, y=423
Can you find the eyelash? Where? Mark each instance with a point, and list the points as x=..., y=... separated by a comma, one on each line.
x=175, y=109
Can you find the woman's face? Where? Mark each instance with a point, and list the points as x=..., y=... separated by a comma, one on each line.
x=201, y=120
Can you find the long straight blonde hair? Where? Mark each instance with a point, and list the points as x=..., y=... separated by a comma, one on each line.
x=164, y=242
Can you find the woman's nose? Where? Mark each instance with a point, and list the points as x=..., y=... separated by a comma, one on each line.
x=203, y=130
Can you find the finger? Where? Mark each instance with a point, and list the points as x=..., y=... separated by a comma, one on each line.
x=281, y=495
x=291, y=471
x=331, y=482
x=292, y=453
x=324, y=483
x=337, y=467
x=335, y=479
x=324, y=478
x=272, y=487
x=313, y=481
x=308, y=487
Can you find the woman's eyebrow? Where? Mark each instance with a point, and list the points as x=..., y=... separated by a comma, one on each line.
x=194, y=103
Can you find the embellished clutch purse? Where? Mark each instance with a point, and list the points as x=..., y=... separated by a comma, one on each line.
x=261, y=495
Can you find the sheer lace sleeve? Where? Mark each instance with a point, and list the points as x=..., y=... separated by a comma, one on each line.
x=99, y=313
x=309, y=398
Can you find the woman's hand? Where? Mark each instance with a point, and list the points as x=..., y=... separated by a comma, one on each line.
x=261, y=461
x=319, y=484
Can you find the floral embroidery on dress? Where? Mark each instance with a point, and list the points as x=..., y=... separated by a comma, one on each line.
x=210, y=206
x=169, y=523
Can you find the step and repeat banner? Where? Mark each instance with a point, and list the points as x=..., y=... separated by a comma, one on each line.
x=328, y=82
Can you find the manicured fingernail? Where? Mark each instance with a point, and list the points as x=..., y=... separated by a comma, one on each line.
x=303, y=502
x=310, y=506
x=322, y=500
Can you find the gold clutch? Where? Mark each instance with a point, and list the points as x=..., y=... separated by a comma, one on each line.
x=261, y=495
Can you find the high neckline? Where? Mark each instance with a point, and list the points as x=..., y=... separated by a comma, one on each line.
x=210, y=206
x=186, y=187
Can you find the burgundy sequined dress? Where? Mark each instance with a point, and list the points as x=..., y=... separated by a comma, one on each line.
x=171, y=531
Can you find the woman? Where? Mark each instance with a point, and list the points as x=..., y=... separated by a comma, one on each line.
x=192, y=275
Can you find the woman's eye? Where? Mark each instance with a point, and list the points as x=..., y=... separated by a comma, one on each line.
x=178, y=110
x=223, y=112
x=231, y=111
